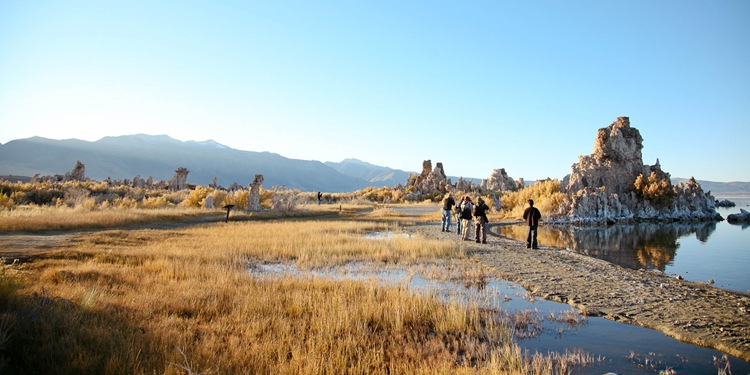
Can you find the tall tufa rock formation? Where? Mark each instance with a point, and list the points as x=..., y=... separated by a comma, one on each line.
x=602, y=186
x=615, y=163
x=253, y=199
x=500, y=181
x=179, y=181
x=77, y=174
x=430, y=179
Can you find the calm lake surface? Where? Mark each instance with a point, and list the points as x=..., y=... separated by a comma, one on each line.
x=699, y=252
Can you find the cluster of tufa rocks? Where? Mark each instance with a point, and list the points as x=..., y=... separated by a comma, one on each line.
x=603, y=186
x=434, y=182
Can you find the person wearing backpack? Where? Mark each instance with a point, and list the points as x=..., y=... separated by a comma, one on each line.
x=466, y=210
x=458, y=214
x=480, y=213
x=448, y=204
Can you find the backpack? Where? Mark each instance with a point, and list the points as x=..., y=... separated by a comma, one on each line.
x=466, y=212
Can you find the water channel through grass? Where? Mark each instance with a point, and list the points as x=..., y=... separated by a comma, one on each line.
x=538, y=325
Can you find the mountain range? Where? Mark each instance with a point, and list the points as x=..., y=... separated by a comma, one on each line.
x=158, y=156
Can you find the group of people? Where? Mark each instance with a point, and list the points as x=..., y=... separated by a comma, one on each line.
x=465, y=210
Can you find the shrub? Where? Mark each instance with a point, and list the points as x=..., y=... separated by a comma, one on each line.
x=76, y=196
x=658, y=191
x=545, y=193
x=6, y=202
x=238, y=198
x=196, y=197
x=154, y=202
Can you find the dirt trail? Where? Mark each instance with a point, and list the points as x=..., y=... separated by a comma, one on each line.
x=692, y=312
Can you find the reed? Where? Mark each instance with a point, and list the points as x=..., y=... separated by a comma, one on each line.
x=182, y=301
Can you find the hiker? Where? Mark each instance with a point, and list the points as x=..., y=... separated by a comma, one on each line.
x=480, y=213
x=448, y=204
x=532, y=216
x=458, y=214
x=466, y=209
x=320, y=196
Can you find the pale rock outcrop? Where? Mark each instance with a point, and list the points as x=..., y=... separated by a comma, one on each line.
x=430, y=179
x=208, y=202
x=615, y=162
x=499, y=181
x=253, y=199
x=179, y=181
x=601, y=187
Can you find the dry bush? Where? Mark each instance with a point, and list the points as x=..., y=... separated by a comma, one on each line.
x=546, y=195
x=659, y=191
x=6, y=202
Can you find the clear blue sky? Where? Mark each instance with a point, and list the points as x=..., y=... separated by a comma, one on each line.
x=475, y=85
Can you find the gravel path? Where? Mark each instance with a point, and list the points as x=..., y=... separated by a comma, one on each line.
x=692, y=312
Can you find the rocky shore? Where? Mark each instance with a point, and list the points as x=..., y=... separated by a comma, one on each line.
x=696, y=313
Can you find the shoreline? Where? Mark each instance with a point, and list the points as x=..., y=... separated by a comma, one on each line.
x=692, y=312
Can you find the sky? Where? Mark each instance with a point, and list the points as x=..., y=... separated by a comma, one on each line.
x=476, y=85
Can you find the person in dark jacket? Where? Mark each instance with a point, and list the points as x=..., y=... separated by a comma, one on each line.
x=480, y=213
x=532, y=216
x=448, y=204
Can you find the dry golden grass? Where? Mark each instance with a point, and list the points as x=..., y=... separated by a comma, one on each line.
x=182, y=301
x=45, y=218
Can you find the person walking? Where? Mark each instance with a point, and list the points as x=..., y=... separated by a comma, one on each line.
x=532, y=216
x=448, y=204
x=458, y=214
x=480, y=214
x=466, y=209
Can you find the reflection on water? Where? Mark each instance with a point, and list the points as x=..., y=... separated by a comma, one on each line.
x=635, y=246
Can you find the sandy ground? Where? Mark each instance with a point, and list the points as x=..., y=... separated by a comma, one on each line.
x=693, y=312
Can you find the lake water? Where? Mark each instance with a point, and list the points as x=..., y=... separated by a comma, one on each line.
x=699, y=252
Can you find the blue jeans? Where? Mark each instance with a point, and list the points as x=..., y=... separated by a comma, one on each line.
x=447, y=220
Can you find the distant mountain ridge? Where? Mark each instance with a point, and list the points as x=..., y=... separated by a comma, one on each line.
x=158, y=156
x=378, y=176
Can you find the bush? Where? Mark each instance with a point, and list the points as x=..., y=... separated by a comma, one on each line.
x=6, y=202
x=545, y=193
x=196, y=197
x=658, y=191
x=154, y=202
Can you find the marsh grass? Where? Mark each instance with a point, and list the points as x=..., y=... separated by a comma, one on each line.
x=45, y=218
x=182, y=301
